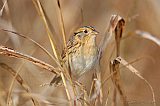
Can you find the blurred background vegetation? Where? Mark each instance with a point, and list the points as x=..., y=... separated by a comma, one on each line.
x=21, y=16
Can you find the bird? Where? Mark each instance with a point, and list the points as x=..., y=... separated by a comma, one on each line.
x=80, y=54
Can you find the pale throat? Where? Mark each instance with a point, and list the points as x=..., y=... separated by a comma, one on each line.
x=90, y=46
x=91, y=41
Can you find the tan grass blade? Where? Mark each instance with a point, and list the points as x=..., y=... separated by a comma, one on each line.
x=106, y=103
x=148, y=36
x=115, y=24
x=40, y=9
x=64, y=41
x=50, y=35
x=12, y=85
x=12, y=53
x=19, y=80
x=136, y=60
x=49, y=101
x=36, y=6
x=62, y=23
x=115, y=65
x=65, y=84
x=109, y=32
x=33, y=41
x=114, y=68
x=133, y=70
x=2, y=9
x=118, y=35
x=95, y=88
x=85, y=97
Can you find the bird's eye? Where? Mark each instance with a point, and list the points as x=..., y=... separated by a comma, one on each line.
x=85, y=31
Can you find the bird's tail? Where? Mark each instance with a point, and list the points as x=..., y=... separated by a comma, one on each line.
x=57, y=80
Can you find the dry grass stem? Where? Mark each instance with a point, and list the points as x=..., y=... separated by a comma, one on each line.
x=50, y=35
x=20, y=81
x=133, y=70
x=109, y=32
x=33, y=41
x=106, y=103
x=51, y=39
x=12, y=86
x=117, y=82
x=2, y=9
x=114, y=66
x=12, y=53
x=64, y=41
x=62, y=23
x=95, y=88
x=66, y=88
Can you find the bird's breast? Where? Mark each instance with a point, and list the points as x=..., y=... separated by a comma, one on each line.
x=83, y=60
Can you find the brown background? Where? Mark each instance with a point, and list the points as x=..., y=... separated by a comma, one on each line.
x=21, y=16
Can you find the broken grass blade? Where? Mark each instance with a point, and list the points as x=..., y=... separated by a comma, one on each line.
x=108, y=34
x=133, y=70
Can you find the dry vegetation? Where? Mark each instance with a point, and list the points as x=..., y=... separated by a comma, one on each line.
x=33, y=33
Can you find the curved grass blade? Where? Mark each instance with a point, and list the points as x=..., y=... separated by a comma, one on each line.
x=12, y=53
x=49, y=33
x=148, y=36
x=19, y=80
x=36, y=43
x=133, y=70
